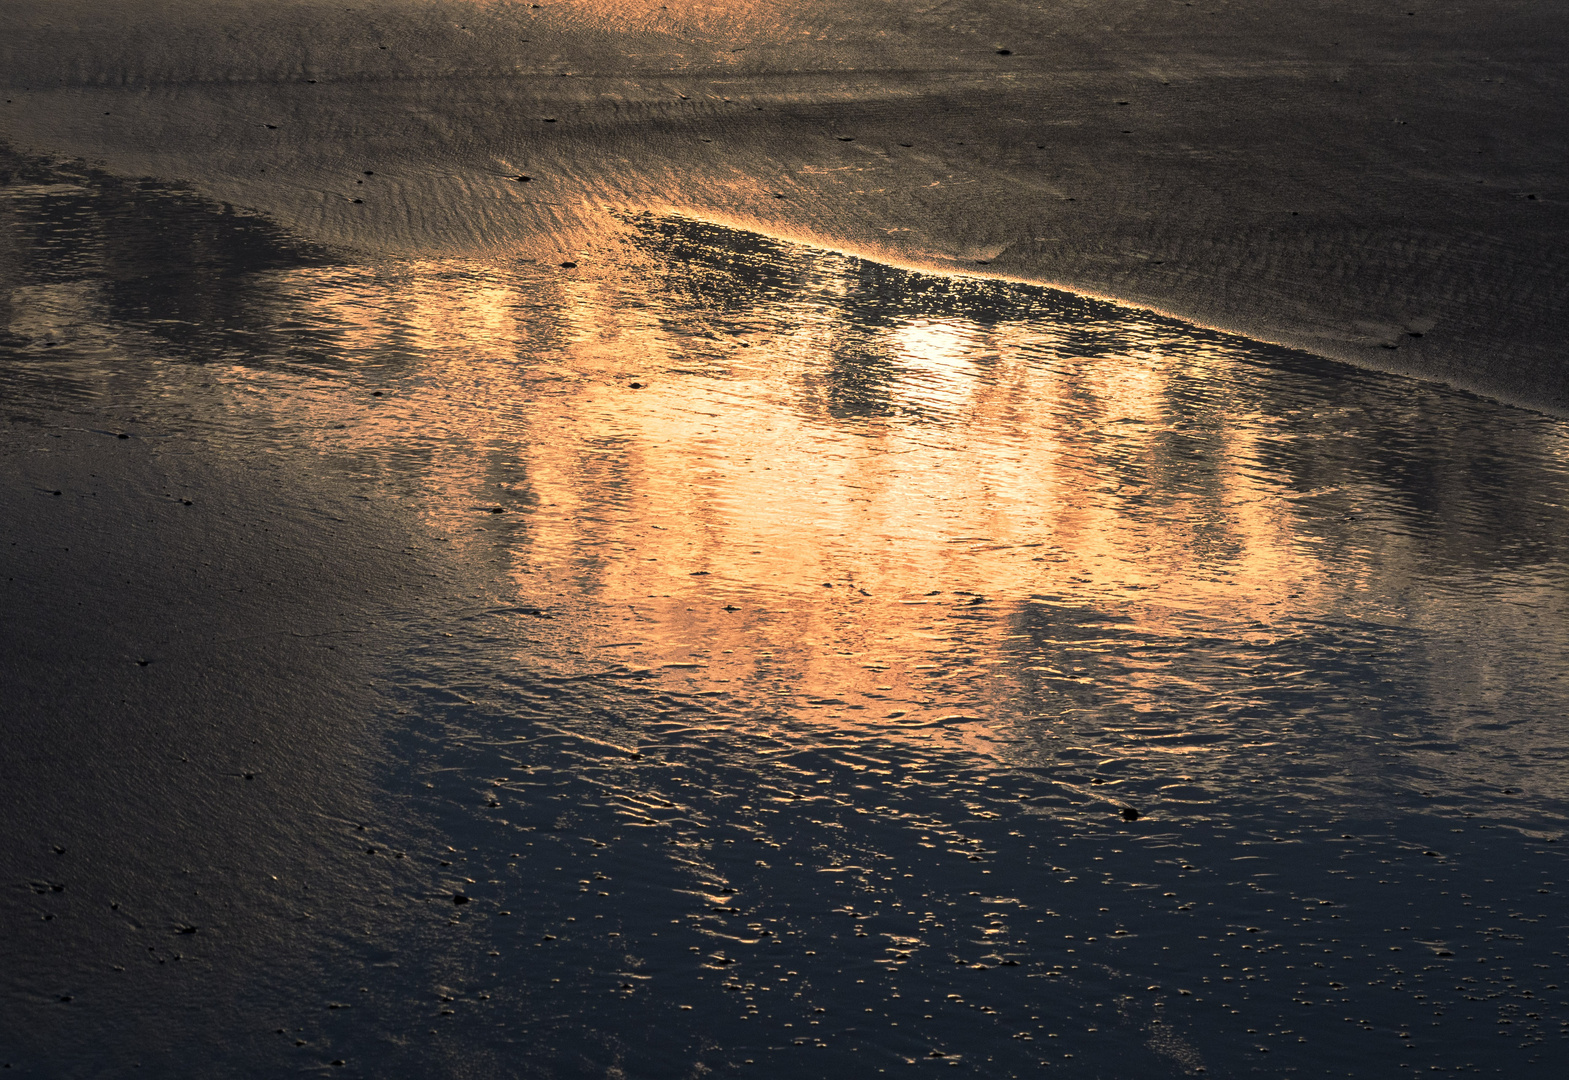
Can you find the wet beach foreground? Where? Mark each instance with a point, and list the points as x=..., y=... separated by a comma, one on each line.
x=727, y=656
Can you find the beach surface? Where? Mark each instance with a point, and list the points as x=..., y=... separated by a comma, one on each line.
x=708, y=608
x=1380, y=185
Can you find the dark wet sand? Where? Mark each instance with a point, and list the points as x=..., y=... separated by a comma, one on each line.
x=177, y=626
x=1382, y=186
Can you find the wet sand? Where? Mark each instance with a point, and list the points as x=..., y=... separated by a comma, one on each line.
x=725, y=651
x=1381, y=187
x=795, y=700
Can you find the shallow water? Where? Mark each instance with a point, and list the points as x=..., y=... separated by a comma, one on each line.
x=850, y=668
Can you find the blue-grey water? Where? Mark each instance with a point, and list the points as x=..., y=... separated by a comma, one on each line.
x=805, y=667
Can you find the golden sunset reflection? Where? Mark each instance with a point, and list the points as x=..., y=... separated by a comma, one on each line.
x=935, y=514
x=938, y=511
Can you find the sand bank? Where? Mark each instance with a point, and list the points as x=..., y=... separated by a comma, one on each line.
x=1381, y=186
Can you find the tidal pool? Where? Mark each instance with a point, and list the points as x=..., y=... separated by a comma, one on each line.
x=836, y=669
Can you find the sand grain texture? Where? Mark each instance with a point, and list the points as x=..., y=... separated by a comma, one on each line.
x=188, y=719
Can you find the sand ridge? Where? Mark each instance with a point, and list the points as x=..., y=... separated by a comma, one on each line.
x=1377, y=186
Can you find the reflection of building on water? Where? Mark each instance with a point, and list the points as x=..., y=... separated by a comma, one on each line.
x=920, y=495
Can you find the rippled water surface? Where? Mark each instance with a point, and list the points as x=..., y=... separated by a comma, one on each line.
x=858, y=670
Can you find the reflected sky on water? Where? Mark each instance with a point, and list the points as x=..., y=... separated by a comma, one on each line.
x=945, y=591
